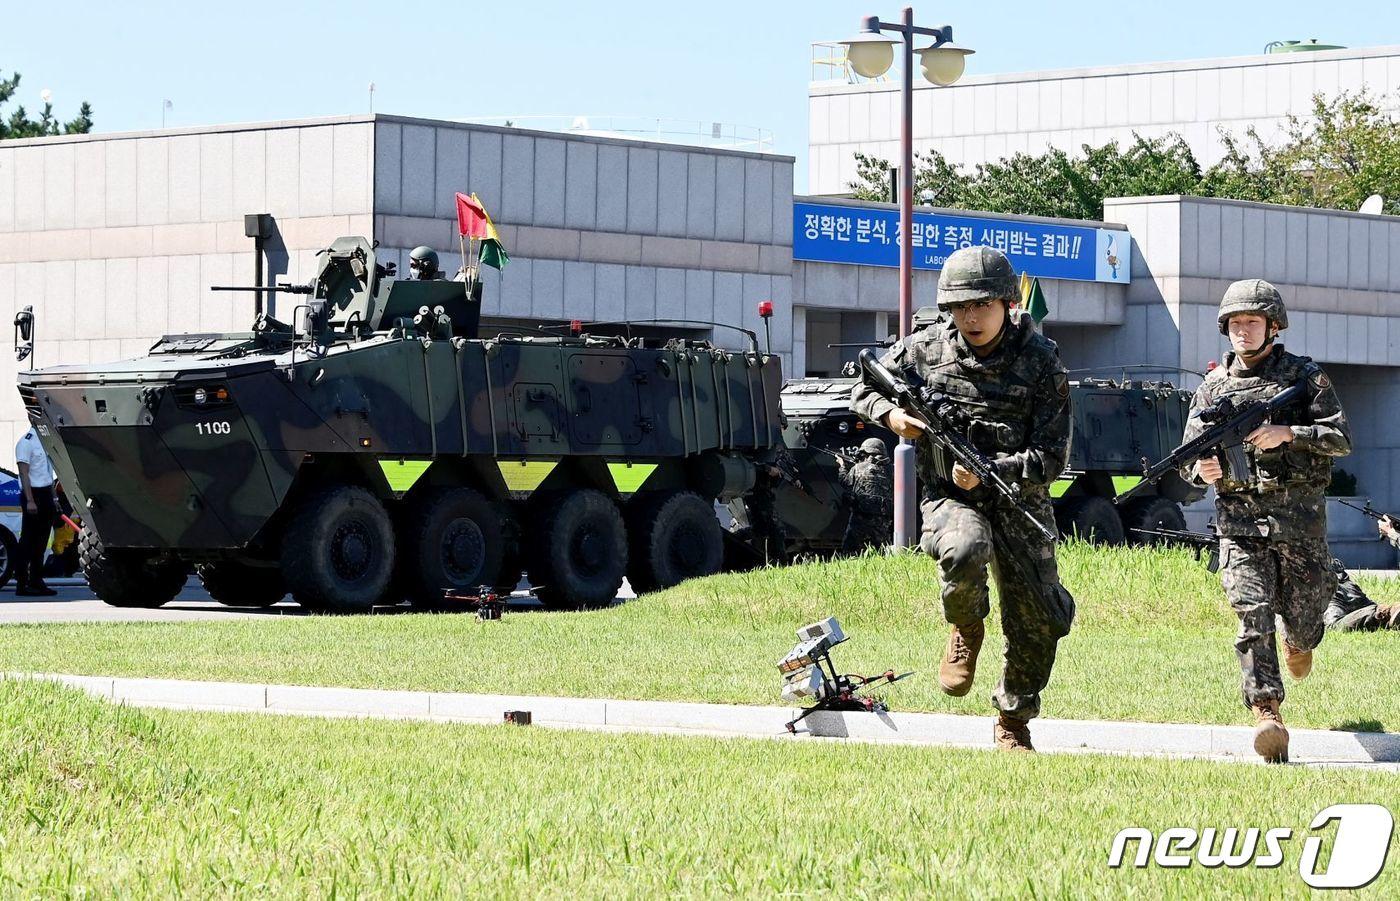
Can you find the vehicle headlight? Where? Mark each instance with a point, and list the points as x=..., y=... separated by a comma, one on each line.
x=200, y=396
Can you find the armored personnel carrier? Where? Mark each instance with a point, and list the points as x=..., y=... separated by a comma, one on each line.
x=1116, y=425
x=378, y=448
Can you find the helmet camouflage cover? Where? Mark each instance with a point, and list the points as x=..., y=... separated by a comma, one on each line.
x=1252, y=295
x=975, y=273
x=873, y=447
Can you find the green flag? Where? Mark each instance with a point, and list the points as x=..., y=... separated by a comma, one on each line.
x=493, y=254
x=1035, y=302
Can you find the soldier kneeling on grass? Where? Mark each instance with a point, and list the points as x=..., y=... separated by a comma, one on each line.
x=1351, y=610
x=1274, y=561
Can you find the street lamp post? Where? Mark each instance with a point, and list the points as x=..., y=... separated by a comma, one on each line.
x=871, y=53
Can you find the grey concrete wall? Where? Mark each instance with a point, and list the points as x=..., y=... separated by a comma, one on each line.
x=598, y=228
x=986, y=118
x=115, y=239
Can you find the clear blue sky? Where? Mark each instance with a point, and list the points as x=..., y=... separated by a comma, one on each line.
x=744, y=63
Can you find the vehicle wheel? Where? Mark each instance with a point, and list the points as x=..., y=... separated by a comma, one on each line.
x=1093, y=519
x=236, y=584
x=582, y=552
x=673, y=537
x=338, y=551
x=453, y=542
x=1152, y=513
x=128, y=579
x=9, y=554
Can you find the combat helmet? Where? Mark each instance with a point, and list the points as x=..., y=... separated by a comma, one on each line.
x=1252, y=295
x=975, y=273
x=423, y=261
x=873, y=447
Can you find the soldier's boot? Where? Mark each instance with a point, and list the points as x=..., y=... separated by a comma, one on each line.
x=1270, y=735
x=1388, y=616
x=1011, y=734
x=1299, y=662
x=959, y=663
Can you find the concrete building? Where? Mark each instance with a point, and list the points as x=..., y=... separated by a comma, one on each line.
x=984, y=118
x=115, y=239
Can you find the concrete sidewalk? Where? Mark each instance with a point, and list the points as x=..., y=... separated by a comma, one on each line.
x=1310, y=746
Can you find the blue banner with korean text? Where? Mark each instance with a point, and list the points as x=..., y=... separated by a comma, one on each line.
x=832, y=233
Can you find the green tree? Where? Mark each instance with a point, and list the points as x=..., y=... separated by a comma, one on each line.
x=19, y=125
x=1348, y=149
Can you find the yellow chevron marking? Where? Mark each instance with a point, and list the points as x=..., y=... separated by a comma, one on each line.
x=525, y=475
x=629, y=477
x=402, y=474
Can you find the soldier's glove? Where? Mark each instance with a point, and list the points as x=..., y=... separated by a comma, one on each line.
x=990, y=436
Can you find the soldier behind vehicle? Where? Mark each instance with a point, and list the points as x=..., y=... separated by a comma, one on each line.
x=423, y=264
x=869, y=485
x=1274, y=559
x=1351, y=610
x=992, y=363
x=767, y=528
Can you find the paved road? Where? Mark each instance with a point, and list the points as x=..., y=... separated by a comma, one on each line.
x=76, y=603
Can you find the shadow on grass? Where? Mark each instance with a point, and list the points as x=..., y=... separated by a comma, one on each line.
x=1360, y=726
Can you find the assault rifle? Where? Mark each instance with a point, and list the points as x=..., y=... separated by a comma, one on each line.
x=1229, y=424
x=837, y=454
x=1207, y=543
x=946, y=428
x=1370, y=511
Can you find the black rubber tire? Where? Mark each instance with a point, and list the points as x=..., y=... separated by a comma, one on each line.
x=673, y=537
x=1153, y=513
x=1094, y=519
x=338, y=551
x=128, y=579
x=236, y=584
x=580, y=554
x=9, y=550
x=452, y=541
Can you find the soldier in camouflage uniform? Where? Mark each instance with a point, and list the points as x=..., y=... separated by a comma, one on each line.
x=1274, y=560
x=990, y=360
x=869, y=486
x=1352, y=611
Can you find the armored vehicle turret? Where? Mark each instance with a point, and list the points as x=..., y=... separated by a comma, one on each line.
x=376, y=447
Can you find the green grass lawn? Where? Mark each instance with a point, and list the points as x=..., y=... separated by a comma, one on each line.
x=100, y=800
x=1153, y=641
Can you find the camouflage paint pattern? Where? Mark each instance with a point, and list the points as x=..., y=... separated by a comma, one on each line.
x=384, y=383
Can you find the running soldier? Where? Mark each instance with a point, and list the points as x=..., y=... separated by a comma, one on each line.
x=990, y=361
x=1274, y=560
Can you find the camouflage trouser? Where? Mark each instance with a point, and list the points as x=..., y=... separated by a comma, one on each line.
x=865, y=531
x=1366, y=619
x=1288, y=580
x=769, y=535
x=1351, y=610
x=1036, y=611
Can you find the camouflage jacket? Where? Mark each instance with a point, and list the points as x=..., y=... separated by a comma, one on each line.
x=1284, y=494
x=1017, y=397
x=871, y=487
